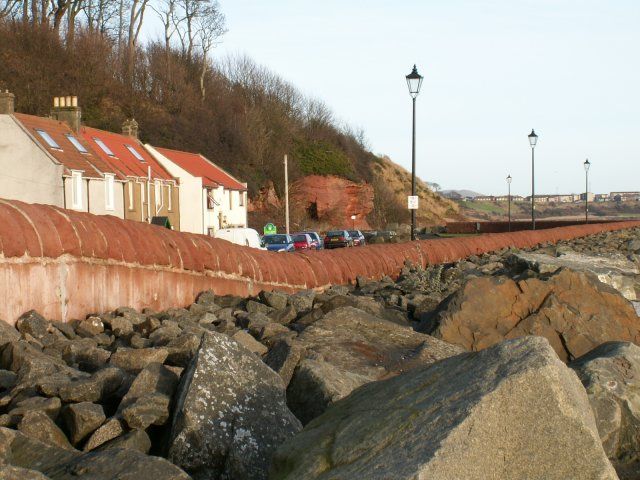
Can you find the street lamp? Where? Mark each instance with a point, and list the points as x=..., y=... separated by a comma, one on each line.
x=533, y=139
x=353, y=222
x=414, y=82
x=509, y=198
x=586, y=164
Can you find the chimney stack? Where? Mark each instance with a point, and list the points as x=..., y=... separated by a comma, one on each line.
x=130, y=128
x=66, y=110
x=7, y=103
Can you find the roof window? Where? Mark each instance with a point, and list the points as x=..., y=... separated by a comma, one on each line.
x=104, y=147
x=47, y=138
x=135, y=153
x=76, y=143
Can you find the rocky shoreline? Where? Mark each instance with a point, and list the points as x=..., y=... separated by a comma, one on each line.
x=463, y=370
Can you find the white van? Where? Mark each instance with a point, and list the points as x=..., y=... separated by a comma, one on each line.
x=247, y=237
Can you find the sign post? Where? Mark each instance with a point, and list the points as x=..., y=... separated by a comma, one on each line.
x=412, y=201
x=270, y=229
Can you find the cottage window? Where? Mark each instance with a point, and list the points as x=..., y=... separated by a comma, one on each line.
x=104, y=147
x=158, y=193
x=109, y=194
x=210, y=201
x=76, y=189
x=242, y=194
x=49, y=139
x=76, y=143
x=135, y=153
x=169, y=199
x=230, y=200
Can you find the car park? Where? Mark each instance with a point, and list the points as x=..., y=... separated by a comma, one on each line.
x=358, y=238
x=316, y=240
x=278, y=242
x=302, y=241
x=338, y=239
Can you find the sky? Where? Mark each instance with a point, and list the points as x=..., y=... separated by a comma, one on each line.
x=493, y=70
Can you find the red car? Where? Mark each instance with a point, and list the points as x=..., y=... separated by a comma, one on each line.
x=302, y=241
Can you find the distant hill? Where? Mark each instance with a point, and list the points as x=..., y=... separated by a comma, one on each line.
x=463, y=193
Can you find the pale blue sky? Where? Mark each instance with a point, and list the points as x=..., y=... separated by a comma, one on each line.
x=493, y=70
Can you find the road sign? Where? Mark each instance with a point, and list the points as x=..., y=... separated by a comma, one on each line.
x=412, y=200
x=270, y=229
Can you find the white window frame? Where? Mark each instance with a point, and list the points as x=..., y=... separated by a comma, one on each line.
x=169, y=199
x=109, y=192
x=76, y=143
x=76, y=189
x=131, y=194
x=158, y=193
x=230, y=199
x=48, y=139
x=103, y=146
x=135, y=153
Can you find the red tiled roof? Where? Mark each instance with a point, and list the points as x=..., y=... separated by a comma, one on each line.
x=68, y=155
x=199, y=166
x=123, y=160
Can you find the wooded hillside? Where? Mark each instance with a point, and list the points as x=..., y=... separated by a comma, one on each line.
x=232, y=110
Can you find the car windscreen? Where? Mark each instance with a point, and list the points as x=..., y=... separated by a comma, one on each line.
x=299, y=238
x=275, y=239
x=337, y=233
x=354, y=233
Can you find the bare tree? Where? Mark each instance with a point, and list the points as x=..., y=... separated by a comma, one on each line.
x=210, y=26
x=9, y=7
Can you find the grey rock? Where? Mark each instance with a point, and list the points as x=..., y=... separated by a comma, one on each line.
x=206, y=298
x=121, y=326
x=99, y=387
x=257, y=307
x=250, y=343
x=146, y=327
x=181, y=350
x=82, y=419
x=135, y=359
x=111, y=429
x=39, y=425
x=287, y=315
x=134, y=440
x=66, y=329
x=8, y=333
x=283, y=358
x=277, y=300
x=7, y=379
x=7, y=472
x=148, y=399
x=50, y=406
x=302, y=301
x=34, y=324
x=512, y=411
x=138, y=341
x=348, y=348
x=85, y=355
x=230, y=413
x=610, y=374
x=90, y=327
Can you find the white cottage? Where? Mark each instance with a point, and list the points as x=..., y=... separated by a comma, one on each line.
x=210, y=197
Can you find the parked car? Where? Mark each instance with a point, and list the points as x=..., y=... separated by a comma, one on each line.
x=369, y=235
x=316, y=240
x=240, y=236
x=278, y=242
x=338, y=239
x=302, y=241
x=358, y=238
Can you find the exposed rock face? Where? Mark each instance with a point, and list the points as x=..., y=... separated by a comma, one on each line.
x=573, y=310
x=611, y=375
x=334, y=199
x=230, y=413
x=618, y=272
x=511, y=411
x=349, y=347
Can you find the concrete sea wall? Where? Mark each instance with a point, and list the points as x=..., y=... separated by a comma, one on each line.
x=66, y=264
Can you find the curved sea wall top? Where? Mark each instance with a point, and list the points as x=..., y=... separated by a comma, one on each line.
x=67, y=264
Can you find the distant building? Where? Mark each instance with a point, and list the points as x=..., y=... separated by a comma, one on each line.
x=484, y=198
x=210, y=197
x=590, y=197
x=624, y=196
x=601, y=197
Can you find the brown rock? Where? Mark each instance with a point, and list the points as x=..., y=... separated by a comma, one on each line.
x=135, y=359
x=39, y=425
x=111, y=429
x=573, y=311
x=80, y=419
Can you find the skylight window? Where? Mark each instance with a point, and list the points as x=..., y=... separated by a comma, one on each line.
x=135, y=153
x=47, y=138
x=76, y=143
x=104, y=148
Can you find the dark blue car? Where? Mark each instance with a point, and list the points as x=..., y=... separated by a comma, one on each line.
x=278, y=242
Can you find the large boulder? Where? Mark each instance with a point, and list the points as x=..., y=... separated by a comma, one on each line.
x=230, y=413
x=615, y=270
x=573, y=310
x=513, y=411
x=347, y=348
x=610, y=374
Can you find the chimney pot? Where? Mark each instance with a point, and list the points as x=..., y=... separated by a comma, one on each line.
x=68, y=101
x=65, y=109
x=74, y=101
x=56, y=102
x=7, y=103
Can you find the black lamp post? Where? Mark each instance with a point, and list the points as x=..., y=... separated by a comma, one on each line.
x=586, y=164
x=509, y=199
x=533, y=139
x=414, y=82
